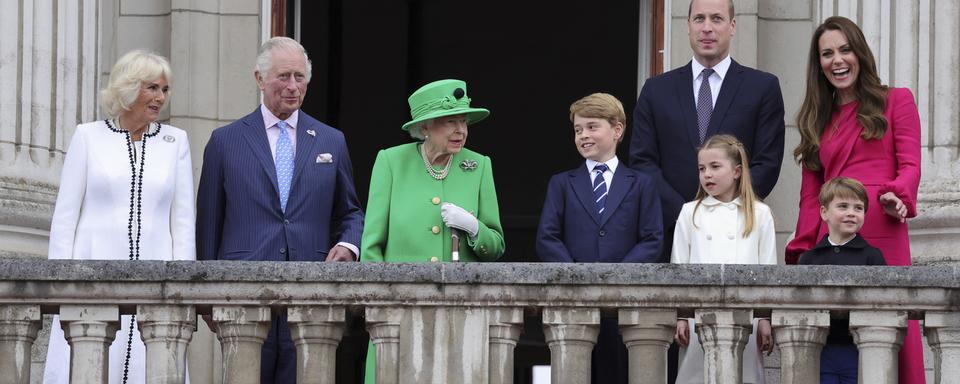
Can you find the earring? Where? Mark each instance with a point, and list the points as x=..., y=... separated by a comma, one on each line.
x=426, y=137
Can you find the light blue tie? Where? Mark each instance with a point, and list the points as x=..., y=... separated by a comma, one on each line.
x=600, y=187
x=284, y=164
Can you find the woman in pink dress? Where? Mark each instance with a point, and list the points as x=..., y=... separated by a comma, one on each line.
x=851, y=125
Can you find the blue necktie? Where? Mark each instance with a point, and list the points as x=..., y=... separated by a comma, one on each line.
x=600, y=187
x=284, y=164
x=704, y=103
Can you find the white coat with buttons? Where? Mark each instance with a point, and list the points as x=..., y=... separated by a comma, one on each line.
x=716, y=237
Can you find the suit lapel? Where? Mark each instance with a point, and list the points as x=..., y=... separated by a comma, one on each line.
x=728, y=91
x=305, y=144
x=584, y=191
x=683, y=82
x=256, y=136
x=621, y=184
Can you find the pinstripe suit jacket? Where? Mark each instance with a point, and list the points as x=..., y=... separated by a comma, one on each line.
x=238, y=203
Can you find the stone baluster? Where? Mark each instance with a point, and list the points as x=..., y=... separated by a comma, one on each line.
x=647, y=334
x=723, y=334
x=571, y=334
x=316, y=331
x=90, y=329
x=943, y=335
x=242, y=331
x=878, y=335
x=18, y=329
x=800, y=335
x=166, y=331
x=505, y=327
x=383, y=324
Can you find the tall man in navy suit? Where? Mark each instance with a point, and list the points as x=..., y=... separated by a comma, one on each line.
x=278, y=185
x=678, y=109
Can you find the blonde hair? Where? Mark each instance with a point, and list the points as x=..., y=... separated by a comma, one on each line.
x=600, y=106
x=126, y=78
x=843, y=187
x=734, y=151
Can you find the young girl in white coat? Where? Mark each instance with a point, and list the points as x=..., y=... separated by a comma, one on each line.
x=726, y=224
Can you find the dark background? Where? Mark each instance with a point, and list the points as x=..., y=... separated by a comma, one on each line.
x=525, y=61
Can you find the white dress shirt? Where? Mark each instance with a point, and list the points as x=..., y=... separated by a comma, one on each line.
x=608, y=175
x=716, y=79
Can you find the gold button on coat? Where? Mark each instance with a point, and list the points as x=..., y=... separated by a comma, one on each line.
x=434, y=259
x=435, y=229
x=435, y=200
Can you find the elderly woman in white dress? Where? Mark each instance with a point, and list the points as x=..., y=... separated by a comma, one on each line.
x=126, y=193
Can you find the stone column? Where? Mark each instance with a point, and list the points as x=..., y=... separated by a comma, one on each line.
x=242, y=331
x=943, y=335
x=18, y=329
x=505, y=327
x=316, y=331
x=383, y=324
x=878, y=335
x=90, y=330
x=166, y=331
x=723, y=333
x=647, y=334
x=800, y=335
x=571, y=334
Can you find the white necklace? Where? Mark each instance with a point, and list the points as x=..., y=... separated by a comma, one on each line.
x=439, y=175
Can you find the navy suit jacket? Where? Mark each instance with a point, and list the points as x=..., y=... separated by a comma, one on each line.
x=665, y=134
x=571, y=230
x=238, y=203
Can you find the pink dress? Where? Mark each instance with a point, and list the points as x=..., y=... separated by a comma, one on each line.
x=891, y=164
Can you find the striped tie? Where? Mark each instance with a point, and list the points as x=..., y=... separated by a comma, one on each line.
x=600, y=187
x=704, y=103
x=284, y=164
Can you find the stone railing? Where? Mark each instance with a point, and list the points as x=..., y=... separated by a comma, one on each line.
x=460, y=322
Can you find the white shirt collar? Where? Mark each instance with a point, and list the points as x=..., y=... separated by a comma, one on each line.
x=711, y=201
x=612, y=164
x=269, y=120
x=839, y=244
x=720, y=69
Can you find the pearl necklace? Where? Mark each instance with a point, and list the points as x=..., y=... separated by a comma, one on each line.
x=136, y=195
x=442, y=174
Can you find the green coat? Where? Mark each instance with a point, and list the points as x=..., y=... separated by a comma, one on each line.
x=403, y=223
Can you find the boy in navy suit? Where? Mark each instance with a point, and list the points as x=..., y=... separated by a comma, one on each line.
x=843, y=205
x=601, y=212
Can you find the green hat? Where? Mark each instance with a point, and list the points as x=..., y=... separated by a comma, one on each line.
x=442, y=98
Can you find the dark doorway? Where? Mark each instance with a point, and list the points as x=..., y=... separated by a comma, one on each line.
x=526, y=61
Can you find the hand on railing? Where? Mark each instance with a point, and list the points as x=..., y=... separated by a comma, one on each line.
x=683, y=332
x=764, y=336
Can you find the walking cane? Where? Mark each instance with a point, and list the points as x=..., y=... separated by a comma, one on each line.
x=455, y=247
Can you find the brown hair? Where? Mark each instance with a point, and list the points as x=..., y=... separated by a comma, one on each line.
x=819, y=103
x=734, y=150
x=843, y=187
x=729, y=2
x=600, y=106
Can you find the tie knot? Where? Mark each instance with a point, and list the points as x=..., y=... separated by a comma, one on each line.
x=707, y=72
x=601, y=168
x=282, y=125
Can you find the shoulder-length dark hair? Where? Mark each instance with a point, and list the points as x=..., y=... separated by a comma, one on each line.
x=818, y=104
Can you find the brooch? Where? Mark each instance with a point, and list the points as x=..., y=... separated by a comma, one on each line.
x=168, y=138
x=468, y=165
x=312, y=132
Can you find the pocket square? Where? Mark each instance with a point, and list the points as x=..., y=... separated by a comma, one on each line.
x=324, y=158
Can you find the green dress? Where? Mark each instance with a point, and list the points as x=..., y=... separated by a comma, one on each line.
x=403, y=223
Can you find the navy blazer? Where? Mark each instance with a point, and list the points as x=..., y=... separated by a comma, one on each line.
x=665, y=134
x=238, y=203
x=571, y=230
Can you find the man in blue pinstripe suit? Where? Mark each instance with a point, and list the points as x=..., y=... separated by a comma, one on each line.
x=278, y=185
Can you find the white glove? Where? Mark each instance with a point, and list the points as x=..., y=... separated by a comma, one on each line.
x=456, y=217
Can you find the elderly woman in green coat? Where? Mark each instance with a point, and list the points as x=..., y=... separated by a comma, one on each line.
x=425, y=192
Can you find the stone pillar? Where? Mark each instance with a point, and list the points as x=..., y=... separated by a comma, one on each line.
x=647, y=334
x=878, y=335
x=90, y=330
x=800, y=335
x=505, y=327
x=18, y=329
x=47, y=75
x=166, y=331
x=242, y=331
x=943, y=335
x=316, y=331
x=383, y=324
x=723, y=333
x=571, y=334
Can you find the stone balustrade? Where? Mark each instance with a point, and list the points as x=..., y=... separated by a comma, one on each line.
x=460, y=322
